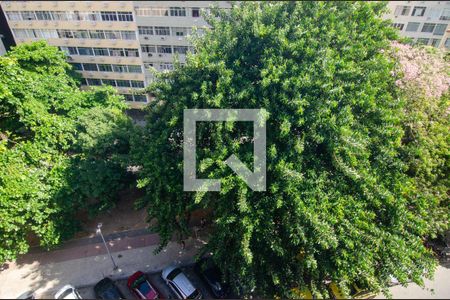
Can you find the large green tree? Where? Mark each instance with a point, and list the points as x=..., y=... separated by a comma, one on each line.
x=338, y=204
x=61, y=149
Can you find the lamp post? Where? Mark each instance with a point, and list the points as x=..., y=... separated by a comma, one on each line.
x=99, y=232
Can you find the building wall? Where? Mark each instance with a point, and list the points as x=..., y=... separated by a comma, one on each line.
x=110, y=42
x=425, y=22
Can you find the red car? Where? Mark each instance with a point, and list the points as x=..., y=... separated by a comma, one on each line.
x=139, y=285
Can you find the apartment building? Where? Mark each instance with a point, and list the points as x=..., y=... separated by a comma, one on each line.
x=425, y=22
x=112, y=42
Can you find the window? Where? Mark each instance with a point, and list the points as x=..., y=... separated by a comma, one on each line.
x=116, y=52
x=178, y=12
x=28, y=15
x=418, y=11
x=402, y=10
x=77, y=66
x=445, y=14
x=132, y=52
x=93, y=81
x=60, y=16
x=180, y=31
x=140, y=98
x=166, y=66
x=123, y=83
x=161, y=30
x=146, y=30
x=67, y=34
x=128, y=35
x=428, y=27
x=125, y=16
x=128, y=97
x=83, y=81
x=447, y=43
x=422, y=41
x=112, y=35
x=440, y=29
x=108, y=15
x=134, y=69
x=137, y=84
x=412, y=26
x=111, y=82
x=14, y=15
x=120, y=68
x=90, y=67
x=72, y=50
x=81, y=34
x=43, y=15
x=104, y=68
x=97, y=34
x=148, y=65
x=195, y=12
x=85, y=51
x=148, y=49
x=398, y=25
x=180, y=49
x=49, y=33
x=435, y=42
x=101, y=52
x=164, y=49
x=20, y=33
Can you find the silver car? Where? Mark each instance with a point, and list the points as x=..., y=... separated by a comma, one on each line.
x=68, y=292
x=180, y=284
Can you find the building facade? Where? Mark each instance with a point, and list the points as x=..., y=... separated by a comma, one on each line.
x=425, y=22
x=112, y=42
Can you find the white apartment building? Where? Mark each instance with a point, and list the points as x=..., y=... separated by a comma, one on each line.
x=425, y=22
x=112, y=42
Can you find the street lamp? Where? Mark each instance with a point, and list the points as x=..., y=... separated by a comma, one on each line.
x=99, y=232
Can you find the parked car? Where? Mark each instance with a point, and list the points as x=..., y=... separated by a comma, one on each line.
x=140, y=287
x=68, y=292
x=211, y=274
x=180, y=284
x=106, y=289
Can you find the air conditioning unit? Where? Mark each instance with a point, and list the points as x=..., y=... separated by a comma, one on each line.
x=149, y=55
x=145, y=37
x=163, y=38
x=160, y=55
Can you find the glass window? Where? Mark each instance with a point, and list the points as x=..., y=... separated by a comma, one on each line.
x=83, y=81
x=28, y=15
x=412, y=26
x=195, y=12
x=428, y=27
x=20, y=33
x=85, y=51
x=90, y=67
x=104, y=68
x=108, y=15
x=418, y=11
x=77, y=66
x=132, y=52
x=120, y=68
x=67, y=34
x=137, y=84
x=161, y=30
x=445, y=14
x=422, y=41
x=111, y=82
x=140, y=98
x=128, y=97
x=72, y=50
x=180, y=49
x=112, y=35
x=128, y=35
x=123, y=83
x=440, y=29
x=134, y=69
x=97, y=34
x=14, y=15
x=164, y=49
x=148, y=49
x=166, y=66
x=398, y=25
x=60, y=16
x=81, y=34
x=116, y=52
x=178, y=12
x=402, y=10
x=447, y=43
x=94, y=81
x=146, y=30
x=101, y=52
x=179, y=31
x=43, y=15
x=435, y=42
x=125, y=16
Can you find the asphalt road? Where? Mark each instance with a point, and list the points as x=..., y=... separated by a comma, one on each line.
x=155, y=280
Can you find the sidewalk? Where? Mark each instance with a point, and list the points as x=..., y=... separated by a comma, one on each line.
x=44, y=273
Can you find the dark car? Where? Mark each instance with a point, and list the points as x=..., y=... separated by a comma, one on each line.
x=106, y=289
x=211, y=274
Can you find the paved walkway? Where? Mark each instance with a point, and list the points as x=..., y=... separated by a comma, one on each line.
x=85, y=262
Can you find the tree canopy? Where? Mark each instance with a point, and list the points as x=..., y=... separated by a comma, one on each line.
x=61, y=149
x=340, y=204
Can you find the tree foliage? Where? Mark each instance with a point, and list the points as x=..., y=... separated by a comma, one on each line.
x=339, y=202
x=61, y=149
